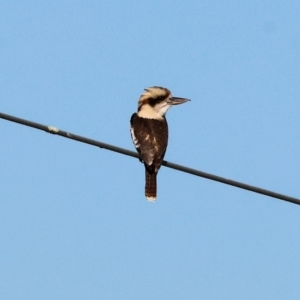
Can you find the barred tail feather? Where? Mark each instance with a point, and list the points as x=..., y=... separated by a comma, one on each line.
x=150, y=187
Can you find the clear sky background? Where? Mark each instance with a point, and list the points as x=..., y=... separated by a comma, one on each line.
x=74, y=222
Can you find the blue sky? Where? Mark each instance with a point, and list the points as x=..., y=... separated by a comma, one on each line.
x=74, y=222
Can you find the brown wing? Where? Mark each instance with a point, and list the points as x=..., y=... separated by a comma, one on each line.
x=150, y=137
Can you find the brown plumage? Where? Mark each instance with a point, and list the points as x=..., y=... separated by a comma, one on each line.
x=152, y=138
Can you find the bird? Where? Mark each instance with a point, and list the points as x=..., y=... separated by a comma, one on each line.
x=149, y=132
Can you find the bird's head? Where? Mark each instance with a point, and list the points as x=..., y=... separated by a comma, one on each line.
x=155, y=102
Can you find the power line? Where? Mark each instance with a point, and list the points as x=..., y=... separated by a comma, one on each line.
x=54, y=130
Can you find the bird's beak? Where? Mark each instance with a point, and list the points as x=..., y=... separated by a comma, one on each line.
x=177, y=100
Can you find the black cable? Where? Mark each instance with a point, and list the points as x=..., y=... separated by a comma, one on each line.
x=82, y=139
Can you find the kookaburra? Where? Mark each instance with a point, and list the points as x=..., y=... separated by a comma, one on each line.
x=149, y=132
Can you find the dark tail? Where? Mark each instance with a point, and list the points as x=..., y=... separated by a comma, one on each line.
x=150, y=187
